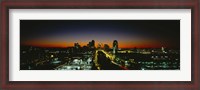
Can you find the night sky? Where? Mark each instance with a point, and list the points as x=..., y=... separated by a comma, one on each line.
x=128, y=33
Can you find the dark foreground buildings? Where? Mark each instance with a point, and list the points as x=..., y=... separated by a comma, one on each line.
x=102, y=58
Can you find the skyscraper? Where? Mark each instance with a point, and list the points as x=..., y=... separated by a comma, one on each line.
x=106, y=47
x=91, y=44
x=76, y=45
x=115, y=46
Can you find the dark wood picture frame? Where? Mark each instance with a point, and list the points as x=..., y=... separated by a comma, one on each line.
x=194, y=84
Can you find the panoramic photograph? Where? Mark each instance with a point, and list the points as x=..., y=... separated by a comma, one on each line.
x=99, y=44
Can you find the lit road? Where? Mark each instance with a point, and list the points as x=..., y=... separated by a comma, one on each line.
x=110, y=56
x=96, y=60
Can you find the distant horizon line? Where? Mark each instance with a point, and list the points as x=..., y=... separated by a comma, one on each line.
x=82, y=46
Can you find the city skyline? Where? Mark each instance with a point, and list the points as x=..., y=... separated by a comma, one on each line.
x=129, y=33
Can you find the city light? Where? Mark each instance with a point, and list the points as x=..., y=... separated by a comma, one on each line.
x=99, y=44
x=99, y=58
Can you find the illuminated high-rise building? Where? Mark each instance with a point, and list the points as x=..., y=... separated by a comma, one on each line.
x=91, y=44
x=76, y=45
x=115, y=46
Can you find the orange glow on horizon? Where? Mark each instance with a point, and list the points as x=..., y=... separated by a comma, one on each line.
x=46, y=44
x=71, y=44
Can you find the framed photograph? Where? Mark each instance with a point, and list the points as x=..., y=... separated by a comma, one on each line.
x=142, y=45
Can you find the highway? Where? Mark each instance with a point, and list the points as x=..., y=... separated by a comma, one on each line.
x=96, y=60
x=105, y=65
